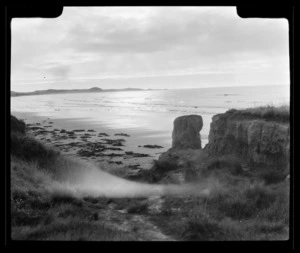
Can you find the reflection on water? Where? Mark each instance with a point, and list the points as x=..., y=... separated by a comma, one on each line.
x=151, y=110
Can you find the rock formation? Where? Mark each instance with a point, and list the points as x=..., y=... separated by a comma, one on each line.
x=186, y=132
x=257, y=140
x=241, y=140
x=186, y=149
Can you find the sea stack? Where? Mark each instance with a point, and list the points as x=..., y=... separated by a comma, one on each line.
x=255, y=139
x=186, y=132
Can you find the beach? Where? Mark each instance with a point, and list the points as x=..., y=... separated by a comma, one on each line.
x=143, y=120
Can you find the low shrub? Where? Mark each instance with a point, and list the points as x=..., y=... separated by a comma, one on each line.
x=272, y=176
x=138, y=208
x=16, y=125
x=29, y=149
x=269, y=112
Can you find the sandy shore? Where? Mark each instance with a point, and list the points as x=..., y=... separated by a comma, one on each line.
x=104, y=146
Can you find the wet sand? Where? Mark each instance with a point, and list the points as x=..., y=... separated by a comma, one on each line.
x=95, y=142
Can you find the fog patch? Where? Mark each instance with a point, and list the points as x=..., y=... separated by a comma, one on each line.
x=94, y=182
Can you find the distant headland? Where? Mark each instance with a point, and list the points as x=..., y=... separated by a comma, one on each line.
x=66, y=91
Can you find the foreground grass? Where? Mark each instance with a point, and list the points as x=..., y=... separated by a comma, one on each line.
x=37, y=211
x=249, y=205
x=40, y=214
x=247, y=208
x=243, y=210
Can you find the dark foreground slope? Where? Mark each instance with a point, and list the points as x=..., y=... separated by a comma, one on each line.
x=252, y=200
x=244, y=206
x=38, y=211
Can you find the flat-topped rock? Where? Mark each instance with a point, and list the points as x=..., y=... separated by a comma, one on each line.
x=186, y=132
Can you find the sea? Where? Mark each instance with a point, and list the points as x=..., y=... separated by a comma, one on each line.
x=146, y=115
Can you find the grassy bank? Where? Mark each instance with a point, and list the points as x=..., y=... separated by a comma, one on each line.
x=242, y=210
x=37, y=211
x=269, y=112
x=248, y=206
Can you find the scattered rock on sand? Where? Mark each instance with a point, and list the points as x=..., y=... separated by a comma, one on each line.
x=78, y=130
x=103, y=134
x=122, y=134
x=117, y=144
x=151, y=146
x=116, y=149
x=112, y=142
x=37, y=128
x=136, y=154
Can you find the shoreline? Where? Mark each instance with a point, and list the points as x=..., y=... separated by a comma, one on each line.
x=106, y=147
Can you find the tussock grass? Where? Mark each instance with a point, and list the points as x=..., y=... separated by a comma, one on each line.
x=246, y=208
x=138, y=208
x=269, y=112
x=229, y=163
x=242, y=211
x=29, y=149
x=157, y=171
x=71, y=229
x=40, y=210
x=17, y=126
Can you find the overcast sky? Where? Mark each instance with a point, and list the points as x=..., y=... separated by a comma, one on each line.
x=148, y=47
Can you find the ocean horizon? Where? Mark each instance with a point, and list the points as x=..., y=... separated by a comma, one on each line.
x=146, y=115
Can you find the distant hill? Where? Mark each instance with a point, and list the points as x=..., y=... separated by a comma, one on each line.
x=63, y=91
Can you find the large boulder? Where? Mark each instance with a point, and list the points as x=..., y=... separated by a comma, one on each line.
x=186, y=132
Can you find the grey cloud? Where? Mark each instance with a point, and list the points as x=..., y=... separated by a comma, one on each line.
x=58, y=71
x=169, y=39
x=165, y=31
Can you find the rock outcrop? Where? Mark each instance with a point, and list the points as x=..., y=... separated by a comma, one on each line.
x=256, y=140
x=238, y=140
x=186, y=132
x=186, y=153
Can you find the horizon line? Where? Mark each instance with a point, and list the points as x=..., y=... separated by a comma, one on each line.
x=145, y=89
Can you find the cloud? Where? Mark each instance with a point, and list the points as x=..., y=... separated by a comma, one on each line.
x=59, y=71
x=141, y=41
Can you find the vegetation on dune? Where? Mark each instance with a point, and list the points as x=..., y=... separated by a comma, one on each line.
x=250, y=206
x=269, y=112
x=250, y=211
x=29, y=149
x=37, y=211
x=17, y=126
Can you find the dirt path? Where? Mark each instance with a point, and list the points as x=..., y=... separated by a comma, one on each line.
x=139, y=225
x=72, y=141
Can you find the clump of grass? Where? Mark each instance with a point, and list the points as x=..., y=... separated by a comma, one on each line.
x=245, y=202
x=61, y=197
x=165, y=165
x=70, y=229
x=246, y=210
x=272, y=176
x=29, y=149
x=269, y=112
x=200, y=229
x=138, y=208
x=27, y=179
x=17, y=126
x=157, y=171
x=229, y=163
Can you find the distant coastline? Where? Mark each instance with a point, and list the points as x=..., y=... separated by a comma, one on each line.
x=66, y=91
